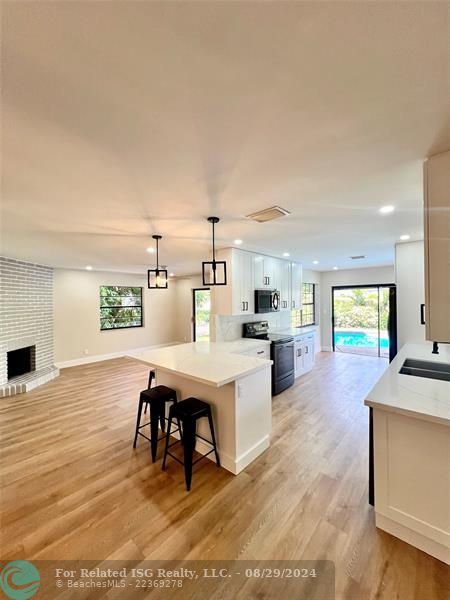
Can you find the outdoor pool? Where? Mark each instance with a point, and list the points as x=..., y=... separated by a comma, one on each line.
x=360, y=339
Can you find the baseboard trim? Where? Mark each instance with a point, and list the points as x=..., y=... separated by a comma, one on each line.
x=85, y=360
x=413, y=538
x=227, y=461
x=327, y=349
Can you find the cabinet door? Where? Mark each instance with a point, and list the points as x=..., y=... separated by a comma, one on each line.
x=242, y=283
x=437, y=247
x=258, y=272
x=246, y=282
x=296, y=285
x=269, y=272
x=298, y=356
x=275, y=269
x=285, y=285
x=308, y=355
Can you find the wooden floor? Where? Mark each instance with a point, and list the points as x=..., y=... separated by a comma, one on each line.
x=73, y=487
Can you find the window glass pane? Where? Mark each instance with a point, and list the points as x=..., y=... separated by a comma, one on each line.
x=120, y=306
x=305, y=316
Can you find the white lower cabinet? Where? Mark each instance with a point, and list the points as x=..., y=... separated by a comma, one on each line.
x=304, y=354
x=260, y=352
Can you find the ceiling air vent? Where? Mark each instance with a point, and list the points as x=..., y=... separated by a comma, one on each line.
x=357, y=257
x=269, y=214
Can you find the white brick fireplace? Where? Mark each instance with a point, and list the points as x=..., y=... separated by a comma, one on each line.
x=26, y=326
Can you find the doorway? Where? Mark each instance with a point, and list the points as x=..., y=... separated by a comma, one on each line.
x=201, y=303
x=364, y=320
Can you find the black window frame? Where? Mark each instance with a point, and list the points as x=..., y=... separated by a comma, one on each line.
x=139, y=306
x=300, y=316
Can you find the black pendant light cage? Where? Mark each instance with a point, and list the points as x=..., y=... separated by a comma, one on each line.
x=157, y=278
x=214, y=272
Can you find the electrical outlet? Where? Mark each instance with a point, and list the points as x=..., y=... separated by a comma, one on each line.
x=86, y=351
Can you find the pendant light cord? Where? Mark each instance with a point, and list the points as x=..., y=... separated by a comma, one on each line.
x=157, y=255
x=214, y=246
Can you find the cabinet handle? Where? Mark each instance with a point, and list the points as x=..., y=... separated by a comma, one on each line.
x=422, y=314
x=293, y=303
x=260, y=352
x=299, y=352
x=246, y=306
x=306, y=349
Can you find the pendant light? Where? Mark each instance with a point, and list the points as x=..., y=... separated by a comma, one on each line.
x=214, y=272
x=157, y=278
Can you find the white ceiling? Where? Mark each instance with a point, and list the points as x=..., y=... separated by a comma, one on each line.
x=130, y=118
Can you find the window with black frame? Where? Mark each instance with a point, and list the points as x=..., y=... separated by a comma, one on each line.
x=120, y=307
x=307, y=314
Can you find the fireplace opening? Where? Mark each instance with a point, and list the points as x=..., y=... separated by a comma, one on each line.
x=21, y=361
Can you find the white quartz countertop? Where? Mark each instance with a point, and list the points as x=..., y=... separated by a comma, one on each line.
x=295, y=331
x=212, y=363
x=427, y=399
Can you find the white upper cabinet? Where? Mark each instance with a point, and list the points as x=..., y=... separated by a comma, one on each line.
x=437, y=247
x=247, y=272
x=243, y=291
x=285, y=285
x=264, y=272
x=237, y=297
x=296, y=285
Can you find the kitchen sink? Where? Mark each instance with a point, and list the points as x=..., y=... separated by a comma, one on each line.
x=425, y=368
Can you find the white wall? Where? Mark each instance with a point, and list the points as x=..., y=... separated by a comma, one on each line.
x=346, y=277
x=183, y=328
x=76, y=315
x=410, y=280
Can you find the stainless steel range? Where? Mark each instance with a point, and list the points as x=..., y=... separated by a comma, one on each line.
x=281, y=352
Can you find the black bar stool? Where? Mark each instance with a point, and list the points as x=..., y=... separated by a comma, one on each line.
x=156, y=397
x=151, y=377
x=188, y=412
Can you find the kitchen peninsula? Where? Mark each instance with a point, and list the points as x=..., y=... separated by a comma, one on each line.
x=411, y=435
x=235, y=378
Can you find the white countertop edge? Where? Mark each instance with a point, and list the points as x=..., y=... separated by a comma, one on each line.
x=207, y=381
x=407, y=412
x=417, y=397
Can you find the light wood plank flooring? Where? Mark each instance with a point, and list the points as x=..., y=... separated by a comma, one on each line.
x=73, y=487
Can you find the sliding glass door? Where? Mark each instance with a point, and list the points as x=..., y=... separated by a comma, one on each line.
x=361, y=319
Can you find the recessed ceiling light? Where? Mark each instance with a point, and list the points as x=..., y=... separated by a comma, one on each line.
x=88, y=268
x=384, y=210
x=171, y=274
x=238, y=242
x=286, y=254
x=405, y=237
x=335, y=268
x=150, y=250
x=315, y=262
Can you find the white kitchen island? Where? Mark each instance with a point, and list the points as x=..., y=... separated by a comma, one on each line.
x=411, y=438
x=231, y=377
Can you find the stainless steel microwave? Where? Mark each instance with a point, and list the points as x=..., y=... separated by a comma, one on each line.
x=267, y=301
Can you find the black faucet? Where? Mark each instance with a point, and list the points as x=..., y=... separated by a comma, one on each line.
x=435, y=348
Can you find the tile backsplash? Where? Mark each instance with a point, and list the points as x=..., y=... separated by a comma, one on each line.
x=225, y=328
